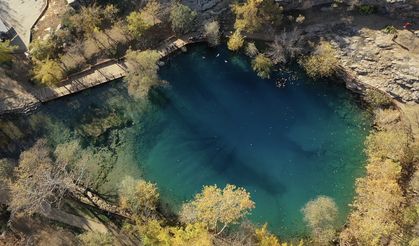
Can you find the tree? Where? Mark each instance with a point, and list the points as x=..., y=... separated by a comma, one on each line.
x=212, y=32
x=6, y=51
x=236, y=41
x=42, y=49
x=110, y=13
x=40, y=182
x=48, y=72
x=136, y=24
x=323, y=61
x=285, y=47
x=91, y=238
x=182, y=18
x=138, y=196
x=214, y=206
x=262, y=65
x=251, y=49
x=377, y=99
x=392, y=144
x=377, y=204
x=88, y=20
x=6, y=169
x=265, y=238
x=142, y=72
x=150, y=13
x=252, y=14
x=154, y=234
x=321, y=216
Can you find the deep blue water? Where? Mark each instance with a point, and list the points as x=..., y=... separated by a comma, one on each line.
x=216, y=122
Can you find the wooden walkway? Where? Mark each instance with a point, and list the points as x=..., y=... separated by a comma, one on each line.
x=98, y=74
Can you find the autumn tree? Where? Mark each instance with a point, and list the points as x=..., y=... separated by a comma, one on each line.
x=136, y=24
x=153, y=233
x=252, y=14
x=40, y=182
x=182, y=18
x=285, y=47
x=91, y=238
x=377, y=205
x=212, y=32
x=322, y=62
x=215, y=207
x=236, y=41
x=392, y=144
x=48, y=72
x=251, y=50
x=151, y=12
x=265, y=238
x=262, y=65
x=6, y=51
x=321, y=216
x=142, y=72
x=139, y=196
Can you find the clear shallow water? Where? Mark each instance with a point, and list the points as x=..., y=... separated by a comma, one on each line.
x=218, y=123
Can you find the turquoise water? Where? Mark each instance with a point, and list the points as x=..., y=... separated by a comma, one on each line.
x=216, y=122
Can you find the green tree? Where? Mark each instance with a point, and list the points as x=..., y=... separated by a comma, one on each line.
x=182, y=18
x=42, y=49
x=212, y=32
x=215, y=206
x=6, y=51
x=138, y=196
x=48, y=72
x=236, y=41
x=136, y=24
x=91, y=238
x=142, y=72
x=262, y=65
x=88, y=20
x=321, y=216
x=323, y=62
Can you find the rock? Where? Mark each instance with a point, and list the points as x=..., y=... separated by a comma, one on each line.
x=384, y=42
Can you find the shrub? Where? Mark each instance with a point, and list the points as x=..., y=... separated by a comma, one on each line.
x=392, y=144
x=366, y=9
x=390, y=29
x=323, y=61
x=139, y=196
x=48, y=72
x=377, y=99
x=6, y=50
x=251, y=49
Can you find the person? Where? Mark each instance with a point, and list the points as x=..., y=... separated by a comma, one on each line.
x=407, y=25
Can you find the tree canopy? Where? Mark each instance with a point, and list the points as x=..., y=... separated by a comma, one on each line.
x=215, y=206
x=212, y=32
x=182, y=18
x=321, y=216
x=136, y=24
x=48, y=72
x=323, y=62
x=142, y=72
x=262, y=65
x=236, y=41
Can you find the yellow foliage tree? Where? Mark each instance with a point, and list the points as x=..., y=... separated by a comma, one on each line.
x=262, y=65
x=323, y=62
x=236, y=41
x=214, y=206
x=136, y=24
x=48, y=72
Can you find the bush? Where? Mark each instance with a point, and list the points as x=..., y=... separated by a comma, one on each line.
x=366, y=9
x=139, y=196
x=393, y=144
x=323, y=61
x=91, y=238
x=377, y=99
x=182, y=18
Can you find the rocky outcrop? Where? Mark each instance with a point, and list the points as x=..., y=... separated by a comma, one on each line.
x=382, y=61
x=371, y=58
